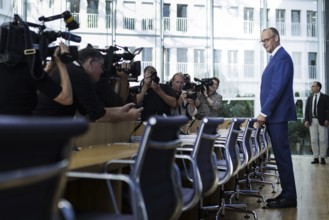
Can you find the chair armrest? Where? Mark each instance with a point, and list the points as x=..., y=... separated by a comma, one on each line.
x=192, y=163
x=193, y=177
x=186, y=149
x=136, y=196
x=66, y=210
x=116, y=162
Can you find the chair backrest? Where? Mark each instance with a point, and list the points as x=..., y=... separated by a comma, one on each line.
x=247, y=139
x=203, y=152
x=255, y=142
x=231, y=143
x=33, y=159
x=155, y=170
x=259, y=140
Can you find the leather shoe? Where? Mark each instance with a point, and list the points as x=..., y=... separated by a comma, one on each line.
x=316, y=160
x=282, y=203
x=323, y=161
x=273, y=199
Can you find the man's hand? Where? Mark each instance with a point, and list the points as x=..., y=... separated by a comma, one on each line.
x=306, y=124
x=261, y=119
x=155, y=87
x=132, y=112
x=326, y=123
x=147, y=82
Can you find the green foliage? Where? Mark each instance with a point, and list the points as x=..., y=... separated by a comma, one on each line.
x=297, y=132
x=237, y=108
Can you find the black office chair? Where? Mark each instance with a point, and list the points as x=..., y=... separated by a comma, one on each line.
x=202, y=152
x=260, y=145
x=155, y=188
x=245, y=142
x=229, y=166
x=268, y=163
x=33, y=160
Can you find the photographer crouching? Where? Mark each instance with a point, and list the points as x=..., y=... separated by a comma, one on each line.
x=18, y=87
x=155, y=97
x=209, y=101
x=185, y=98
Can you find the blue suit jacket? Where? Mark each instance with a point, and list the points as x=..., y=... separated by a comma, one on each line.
x=276, y=92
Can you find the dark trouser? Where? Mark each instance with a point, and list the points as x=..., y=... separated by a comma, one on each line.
x=279, y=136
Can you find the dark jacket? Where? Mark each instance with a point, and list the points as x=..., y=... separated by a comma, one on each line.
x=322, y=109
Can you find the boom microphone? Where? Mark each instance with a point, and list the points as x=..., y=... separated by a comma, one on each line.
x=71, y=24
x=69, y=36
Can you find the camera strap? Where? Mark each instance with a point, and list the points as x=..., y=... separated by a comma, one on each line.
x=29, y=51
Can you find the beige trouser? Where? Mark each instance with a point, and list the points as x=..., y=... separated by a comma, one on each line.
x=319, y=139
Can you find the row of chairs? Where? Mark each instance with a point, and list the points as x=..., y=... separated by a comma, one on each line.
x=41, y=150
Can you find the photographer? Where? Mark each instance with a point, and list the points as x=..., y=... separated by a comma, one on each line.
x=18, y=89
x=209, y=101
x=185, y=103
x=114, y=91
x=84, y=74
x=156, y=98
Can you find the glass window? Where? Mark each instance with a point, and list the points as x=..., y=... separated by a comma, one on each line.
x=129, y=16
x=92, y=7
x=166, y=17
x=295, y=23
x=311, y=23
x=181, y=18
x=232, y=63
x=199, y=63
x=248, y=14
x=166, y=10
x=147, y=54
x=312, y=65
x=249, y=60
x=182, y=60
x=181, y=11
x=148, y=16
x=280, y=19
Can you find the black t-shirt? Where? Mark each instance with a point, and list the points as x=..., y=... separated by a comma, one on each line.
x=154, y=105
x=106, y=93
x=18, y=90
x=85, y=99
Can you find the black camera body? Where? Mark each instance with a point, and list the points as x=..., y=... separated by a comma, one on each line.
x=114, y=62
x=193, y=88
x=205, y=82
x=190, y=94
x=16, y=36
x=155, y=78
x=12, y=38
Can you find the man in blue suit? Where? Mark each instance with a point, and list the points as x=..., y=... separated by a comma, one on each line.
x=277, y=108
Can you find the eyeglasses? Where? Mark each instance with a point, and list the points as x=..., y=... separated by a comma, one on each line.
x=266, y=40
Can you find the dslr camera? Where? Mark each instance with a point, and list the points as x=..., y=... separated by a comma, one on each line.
x=154, y=77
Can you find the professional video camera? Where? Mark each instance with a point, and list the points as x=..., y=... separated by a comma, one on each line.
x=116, y=56
x=193, y=88
x=19, y=44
